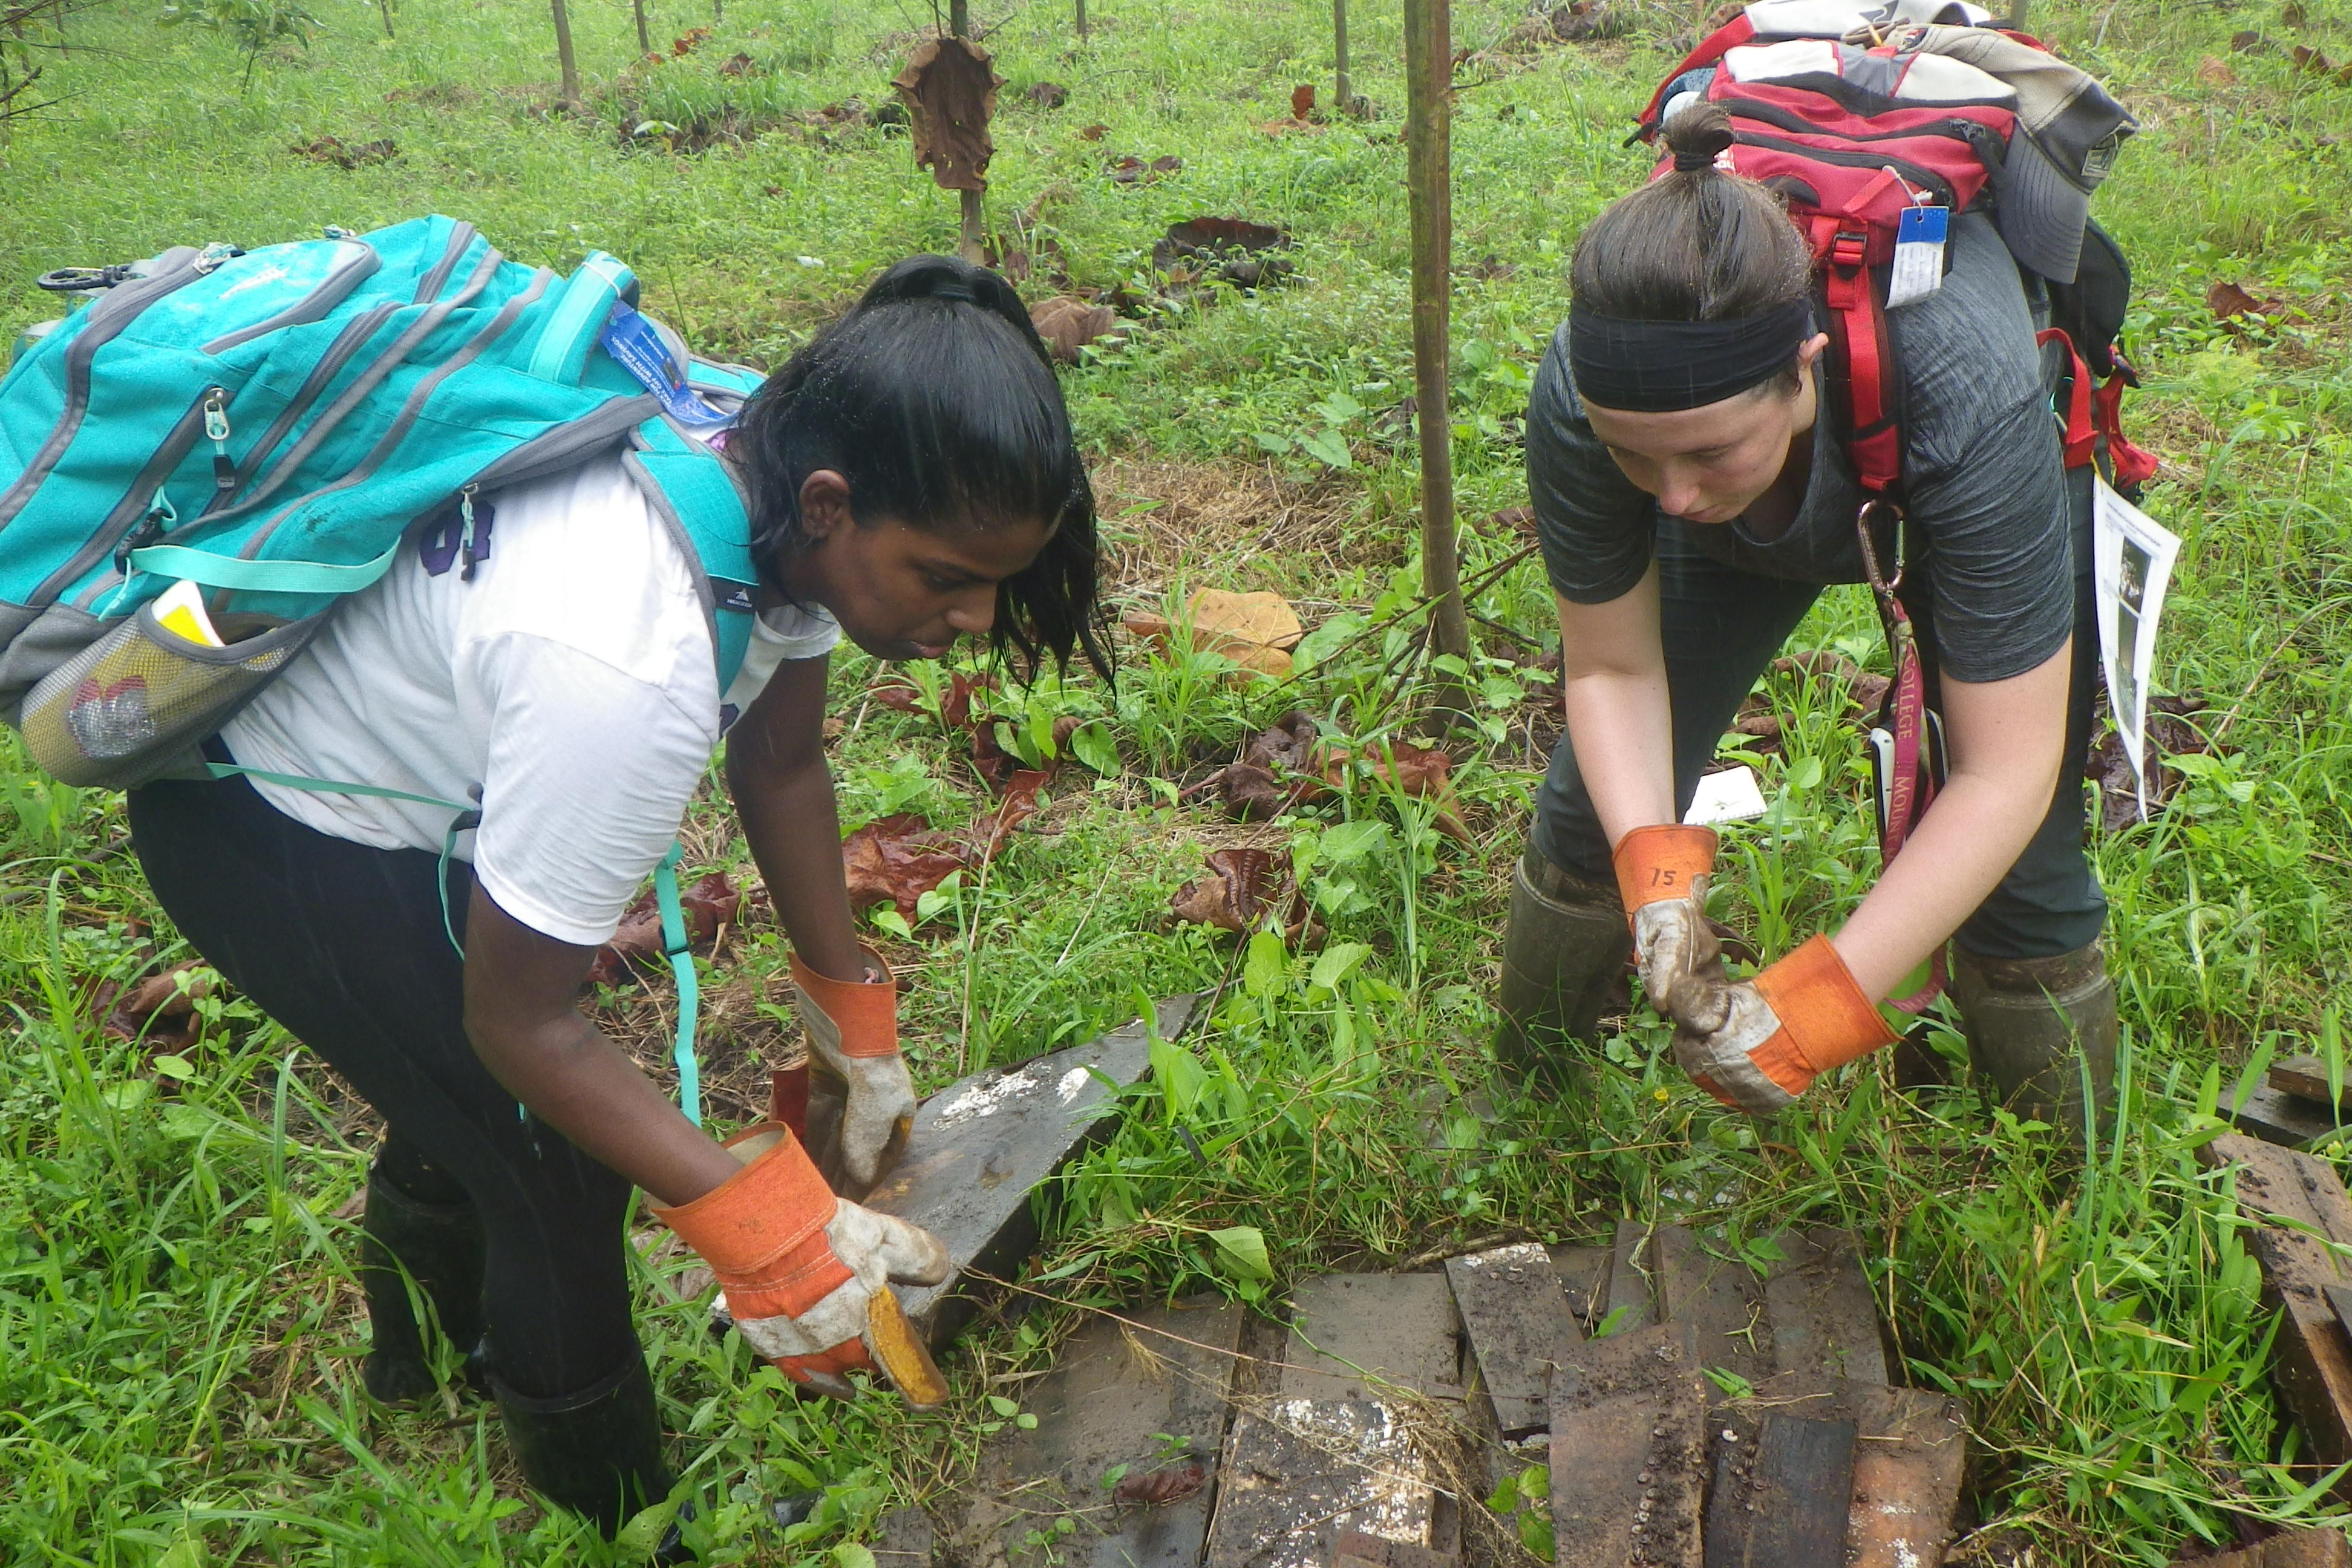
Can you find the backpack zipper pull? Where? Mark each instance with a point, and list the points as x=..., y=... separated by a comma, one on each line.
x=158, y=521
x=465, y=557
x=216, y=431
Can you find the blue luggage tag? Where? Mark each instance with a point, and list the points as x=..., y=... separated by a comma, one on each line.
x=1918, y=268
x=629, y=337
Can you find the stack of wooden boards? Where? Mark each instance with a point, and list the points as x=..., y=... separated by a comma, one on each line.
x=1201, y=1435
x=2293, y=1104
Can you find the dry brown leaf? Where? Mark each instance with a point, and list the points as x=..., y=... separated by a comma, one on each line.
x=345, y=154
x=1162, y=1487
x=896, y=859
x=949, y=92
x=1418, y=771
x=2213, y=71
x=1094, y=133
x=160, y=1008
x=1134, y=171
x=709, y=904
x=1245, y=889
x=2245, y=43
x=2227, y=300
x=1288, y=745
x=1047, y=95
x=1068, y=324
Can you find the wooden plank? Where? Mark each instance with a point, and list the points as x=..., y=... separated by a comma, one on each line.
x=1119, y=1385
x=1516, y=1324
x=1356, y=1336
x=1716, y=1302
x=1298, y=1472
x=1626, y=1465
x=2277, y=1118
x=1784, y=1489
x=2314, y=1369
x=1376, y=1552
x=1630, y=1287
x=1824, y=1318
x=1584, y=1276
x=1909, y=1459
x=2293, y=1548
x=980, y=1146
x=2306, y=1077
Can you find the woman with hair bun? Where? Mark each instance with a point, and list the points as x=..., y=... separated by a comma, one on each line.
x=911, y=480
x=1693, y=499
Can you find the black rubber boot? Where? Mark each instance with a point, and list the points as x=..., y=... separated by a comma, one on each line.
x=440, y=1245
x=1562, y=956
x=2032, y=1022
x=597, y=1452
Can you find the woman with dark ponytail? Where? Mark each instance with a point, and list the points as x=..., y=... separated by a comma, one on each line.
x=912, y=480
x=1693, y=496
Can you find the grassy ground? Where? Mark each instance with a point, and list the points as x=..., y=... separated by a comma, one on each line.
x=179, y=1325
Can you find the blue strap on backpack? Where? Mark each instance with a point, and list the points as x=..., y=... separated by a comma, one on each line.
x=272, y=425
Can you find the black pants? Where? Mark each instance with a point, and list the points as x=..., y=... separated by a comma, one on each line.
x=1721, y=627
x=343, y=945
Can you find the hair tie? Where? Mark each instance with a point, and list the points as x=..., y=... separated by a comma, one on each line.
x=956, y=290
x=1692, y=162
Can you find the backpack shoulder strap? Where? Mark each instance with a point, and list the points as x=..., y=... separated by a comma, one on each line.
x=693, y=491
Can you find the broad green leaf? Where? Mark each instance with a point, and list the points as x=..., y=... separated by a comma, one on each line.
x=1272, y=443
x=1267, y=966
x=1243, y=1247
x=849, y=1554
x=1337, y=961
x=1091, y=745
x=1330, y=446
x=174, y=1067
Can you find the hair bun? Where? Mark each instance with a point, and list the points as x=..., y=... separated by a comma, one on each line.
x=1697, y=135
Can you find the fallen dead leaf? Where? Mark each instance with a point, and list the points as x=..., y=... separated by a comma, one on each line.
x=1257, y=631
x=711, y=903
x=898, y=860
x=345, y=154
x=2169, y=734
x=1224, y=250
x=1047, y=95
x=1245, y=889
x=2227, y=300
x=1302, y=101
x=949, y=92
x=2214, y=71
x=1094, y=133
x=1133, y=171
x=1068, y=324
x=161, y=1009
x=1162, y=1487
x=688, y=41
x=1417, y=771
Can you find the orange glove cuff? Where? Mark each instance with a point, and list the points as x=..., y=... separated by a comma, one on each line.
x=865, y=1011
x=1658, y=862
x=763, y=1232
x=1826, y=1021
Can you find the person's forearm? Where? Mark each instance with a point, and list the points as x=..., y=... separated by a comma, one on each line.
x=1967, y=842
x=1624, y=748
x=572, y=1078
x=795, y=828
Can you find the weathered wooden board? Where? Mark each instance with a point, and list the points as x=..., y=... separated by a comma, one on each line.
x=1628, y=1431
x=1910, y=1458
x=980, y=1146
x=1374, y=1552
x=2279, y=1118
x=1117, y=1385
x=1824, y=1318
x=1516, y=1325
x=2295, y=1549
x=1355, y=1336
x=1784, y=1489
x=1632, y=1278
x=2313, y=1370
x=2306, y=1077
x=1297, y=1473
x=1584, y=1276
x=1716, y=1302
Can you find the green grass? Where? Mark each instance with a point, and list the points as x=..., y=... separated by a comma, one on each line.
x=179, y=1332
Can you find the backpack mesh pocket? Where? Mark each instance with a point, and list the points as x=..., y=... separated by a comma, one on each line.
x=137, y=703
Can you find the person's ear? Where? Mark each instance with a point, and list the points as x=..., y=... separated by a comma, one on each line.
x=1810, y=352
x=824, y=506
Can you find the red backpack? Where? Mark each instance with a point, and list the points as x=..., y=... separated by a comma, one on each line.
x=1868, y=122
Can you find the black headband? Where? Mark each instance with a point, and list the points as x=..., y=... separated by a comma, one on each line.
x=1655, y=367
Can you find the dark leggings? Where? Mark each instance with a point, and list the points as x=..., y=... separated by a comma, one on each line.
x=1721, y=627
x=342, y=944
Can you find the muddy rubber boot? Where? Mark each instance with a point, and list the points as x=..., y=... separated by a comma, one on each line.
x=1566, y=946
x=597, y=1452
x=2030, y=1022
x=440, y=1245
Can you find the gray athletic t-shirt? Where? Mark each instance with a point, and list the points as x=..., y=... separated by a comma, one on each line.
x=1983, y=481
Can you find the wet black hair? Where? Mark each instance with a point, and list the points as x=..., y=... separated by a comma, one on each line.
x=935, y=398
x=1695, y=244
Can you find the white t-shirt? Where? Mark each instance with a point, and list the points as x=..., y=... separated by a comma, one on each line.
x=571, y=682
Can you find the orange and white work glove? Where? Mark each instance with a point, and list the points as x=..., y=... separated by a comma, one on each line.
x=806, y=1276
x=854, y=1062
x=1794, y=1021
x=1662, y=874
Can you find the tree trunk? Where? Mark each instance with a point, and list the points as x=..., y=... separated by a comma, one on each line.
x=568, y=95
x=645, y=35
x=385, y=7
x=1345, y=101
x=1429, y=78
x=970, y=245
x=1081, y=19
x=958, y=19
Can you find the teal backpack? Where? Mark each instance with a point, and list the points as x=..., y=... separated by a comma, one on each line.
x=276, y=425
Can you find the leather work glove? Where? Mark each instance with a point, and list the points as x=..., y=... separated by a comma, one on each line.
x=1662, y=874
x=806, y=1275
x=861, y=1097
x=1794, y=1021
